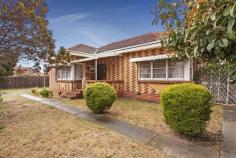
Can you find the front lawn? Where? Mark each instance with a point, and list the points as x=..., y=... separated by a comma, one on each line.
x=149, y=115
x=35, y=130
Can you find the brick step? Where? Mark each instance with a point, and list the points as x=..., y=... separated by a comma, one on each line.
x=76, y=94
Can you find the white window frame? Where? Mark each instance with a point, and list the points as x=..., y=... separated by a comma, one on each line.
x=157, y=68
x=83, y=72
x=176, y=78
x=139, y=73
x=59, y=70
x=167, y=73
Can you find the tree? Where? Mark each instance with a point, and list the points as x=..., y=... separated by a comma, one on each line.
x=203, y=29
x=23, y=32
x=63, y=56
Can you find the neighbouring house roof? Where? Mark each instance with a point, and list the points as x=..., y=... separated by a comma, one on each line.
x=83, y=48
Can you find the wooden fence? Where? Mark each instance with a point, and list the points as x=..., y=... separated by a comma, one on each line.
x=25, y=82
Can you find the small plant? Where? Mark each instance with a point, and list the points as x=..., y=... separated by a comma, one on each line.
x=46, y=93
x=34, y=91
x=99, y=97
x=187, y=108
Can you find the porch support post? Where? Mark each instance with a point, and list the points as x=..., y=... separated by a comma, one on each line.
x=96, y=64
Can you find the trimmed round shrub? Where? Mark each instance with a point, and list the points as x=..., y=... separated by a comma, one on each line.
x=187, y=108
x=99, y=97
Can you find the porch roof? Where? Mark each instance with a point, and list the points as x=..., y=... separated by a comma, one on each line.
x=149, y=58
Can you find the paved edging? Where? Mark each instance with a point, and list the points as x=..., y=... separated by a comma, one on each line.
x=229, y=134
x=173, y=146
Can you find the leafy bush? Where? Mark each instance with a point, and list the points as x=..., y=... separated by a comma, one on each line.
x=46, y=93
x=187, y=108
x=99, y=97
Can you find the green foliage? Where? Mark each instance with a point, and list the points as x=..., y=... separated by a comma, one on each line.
x=187, y=108
x=23, y=32
x=203, y=29
x=46, y=93
x=6, y=69
x=99, y=97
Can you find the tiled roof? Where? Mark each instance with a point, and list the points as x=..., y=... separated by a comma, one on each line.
x=83, y=48
x=146, y=38
x=149, y=37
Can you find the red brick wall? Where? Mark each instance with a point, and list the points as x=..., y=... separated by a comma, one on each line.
x=120, y=68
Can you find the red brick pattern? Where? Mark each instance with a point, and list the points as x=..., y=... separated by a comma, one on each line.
x=122, y=75
x=120, y=68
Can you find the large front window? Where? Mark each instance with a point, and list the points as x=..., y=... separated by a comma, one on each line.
x=64, y=73
x=163, y=69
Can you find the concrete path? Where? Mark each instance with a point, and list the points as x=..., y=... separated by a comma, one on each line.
x=171, y=145
x=229, y=133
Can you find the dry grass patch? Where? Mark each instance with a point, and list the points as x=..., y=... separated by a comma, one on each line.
x=149, y=115
x=35, y=130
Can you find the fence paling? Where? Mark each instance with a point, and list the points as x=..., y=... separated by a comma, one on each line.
x=25, y=82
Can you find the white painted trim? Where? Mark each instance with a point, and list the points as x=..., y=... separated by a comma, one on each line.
x=72, y=72
x=78, y=53
x=150, y=58
x=96, y=70
x=83, y=60
x=148, y=45
x=116, y=52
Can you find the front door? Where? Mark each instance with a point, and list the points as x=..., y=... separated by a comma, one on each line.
x=101, y=72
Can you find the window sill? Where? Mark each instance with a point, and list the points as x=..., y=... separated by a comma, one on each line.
x=68, y=80
x=164, y=81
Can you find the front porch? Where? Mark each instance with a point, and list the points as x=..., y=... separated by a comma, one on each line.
x=72, y=79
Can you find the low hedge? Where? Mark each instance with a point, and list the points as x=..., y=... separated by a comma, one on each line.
x=99, y=97
x=187, y=108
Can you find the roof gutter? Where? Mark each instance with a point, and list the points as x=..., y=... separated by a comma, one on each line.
x=117, y=52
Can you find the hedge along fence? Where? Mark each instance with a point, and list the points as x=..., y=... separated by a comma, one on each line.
x=25, y=82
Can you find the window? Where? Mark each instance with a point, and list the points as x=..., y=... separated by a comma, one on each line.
x=163, y=69
x=64, y=73
x=78, y=71
x=159, y=69
x=176, y=69
x=145, y=70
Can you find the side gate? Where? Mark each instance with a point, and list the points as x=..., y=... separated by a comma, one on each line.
x=221, y=85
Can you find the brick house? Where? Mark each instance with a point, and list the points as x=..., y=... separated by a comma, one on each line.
x=137, y=67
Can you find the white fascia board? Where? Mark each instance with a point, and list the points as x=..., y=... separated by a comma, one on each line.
x=82, y=54
x=83, y=60
x=139, y=47
x=116, y=52
x=149, y=58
